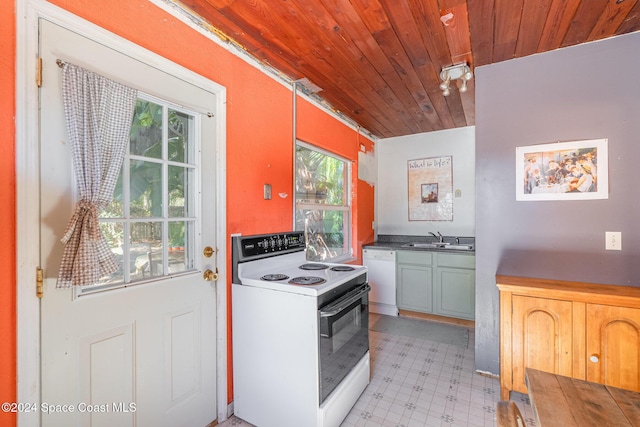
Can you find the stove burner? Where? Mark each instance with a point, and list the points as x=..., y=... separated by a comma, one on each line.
x=342, y=268
x=307, y=280
x=313, y=266
x=274, y=277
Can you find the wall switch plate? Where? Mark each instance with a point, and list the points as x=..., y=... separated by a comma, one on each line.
x=267, y=191
x=613, y=240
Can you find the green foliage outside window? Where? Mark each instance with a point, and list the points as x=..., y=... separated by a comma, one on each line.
x=322, y=205
x=160, y=171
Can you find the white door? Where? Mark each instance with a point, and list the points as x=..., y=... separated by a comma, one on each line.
x=141, y=352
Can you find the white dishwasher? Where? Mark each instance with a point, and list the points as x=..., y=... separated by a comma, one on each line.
x=381, y=264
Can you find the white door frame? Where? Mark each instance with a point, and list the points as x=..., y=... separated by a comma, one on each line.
x=28, y=12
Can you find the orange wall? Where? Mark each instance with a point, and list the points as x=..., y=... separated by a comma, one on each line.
x=259, y=136
x=8, y=211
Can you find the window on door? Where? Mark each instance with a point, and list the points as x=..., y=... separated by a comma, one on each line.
x=323, y=203
x=152, y=223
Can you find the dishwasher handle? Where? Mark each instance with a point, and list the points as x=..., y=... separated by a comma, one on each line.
x=378, y=255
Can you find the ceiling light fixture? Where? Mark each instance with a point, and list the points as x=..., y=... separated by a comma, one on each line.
x=460, y=72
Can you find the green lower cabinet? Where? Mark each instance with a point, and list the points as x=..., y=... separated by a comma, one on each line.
x=415, y=280
x=436, y=283
x=455, y=292
x=416, y=292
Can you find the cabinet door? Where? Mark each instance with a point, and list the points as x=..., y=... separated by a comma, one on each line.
x=541, y=337
x=613, y=346
x=415, y=288
x=455, y=292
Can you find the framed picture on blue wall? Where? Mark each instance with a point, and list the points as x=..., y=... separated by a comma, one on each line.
x=574, y=170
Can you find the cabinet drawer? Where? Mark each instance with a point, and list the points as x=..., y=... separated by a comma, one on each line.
x=415, y=257
x=457, y=261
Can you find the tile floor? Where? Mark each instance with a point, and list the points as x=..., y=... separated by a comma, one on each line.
x=416, y=382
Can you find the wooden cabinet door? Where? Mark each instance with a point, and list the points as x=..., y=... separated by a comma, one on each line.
x=541, y=337
x=613, y=346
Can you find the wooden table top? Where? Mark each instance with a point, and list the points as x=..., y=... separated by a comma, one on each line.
x=562, y=401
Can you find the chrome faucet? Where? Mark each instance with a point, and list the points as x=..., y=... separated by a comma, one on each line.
x=439, y=236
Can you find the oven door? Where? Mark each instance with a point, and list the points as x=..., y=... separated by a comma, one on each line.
x=344, y=337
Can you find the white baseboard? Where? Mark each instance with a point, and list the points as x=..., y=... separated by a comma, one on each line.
x=388, y=309
x=229, y=410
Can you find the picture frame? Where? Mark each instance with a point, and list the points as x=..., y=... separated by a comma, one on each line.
x=430, y=192
x=430, y=189
x=572, y=170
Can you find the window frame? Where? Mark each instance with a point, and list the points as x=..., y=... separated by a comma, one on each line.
x=126, y=219
x=347, y=208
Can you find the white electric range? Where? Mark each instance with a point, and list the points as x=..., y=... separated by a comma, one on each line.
x=300, y=333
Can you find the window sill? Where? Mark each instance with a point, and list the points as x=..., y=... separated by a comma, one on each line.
x=343, y=260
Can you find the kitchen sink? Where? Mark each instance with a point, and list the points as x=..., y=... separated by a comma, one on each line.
x=437, y=245
x=460, y=247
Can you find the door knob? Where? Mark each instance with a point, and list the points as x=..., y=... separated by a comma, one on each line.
x=210, y=276
x=594, y=358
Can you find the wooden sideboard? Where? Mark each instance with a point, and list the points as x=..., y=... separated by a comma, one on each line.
x=580, y=330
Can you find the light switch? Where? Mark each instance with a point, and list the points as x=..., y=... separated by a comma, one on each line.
x=267, y=191
x=613, y=240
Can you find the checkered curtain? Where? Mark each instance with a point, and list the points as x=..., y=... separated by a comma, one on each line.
x=98, y=115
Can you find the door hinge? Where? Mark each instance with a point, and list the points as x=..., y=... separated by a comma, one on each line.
x=39, y=73
x=39, y=282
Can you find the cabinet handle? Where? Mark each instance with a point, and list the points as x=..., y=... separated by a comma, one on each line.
x=594, y=358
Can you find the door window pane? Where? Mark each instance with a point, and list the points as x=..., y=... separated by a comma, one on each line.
x=180, y=129
x=152, y=224
x=145, y=189
x=180, y=180
x=146, y=130
x=145, y=250
x=181, y=246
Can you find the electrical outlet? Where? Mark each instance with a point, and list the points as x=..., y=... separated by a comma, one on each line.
x=613, y=240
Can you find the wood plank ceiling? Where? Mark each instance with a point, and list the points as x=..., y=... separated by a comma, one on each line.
x=378, y=62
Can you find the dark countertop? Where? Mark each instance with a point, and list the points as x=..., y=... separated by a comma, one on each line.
x=396, y=242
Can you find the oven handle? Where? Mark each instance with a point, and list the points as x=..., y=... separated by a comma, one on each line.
x=333, y=310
